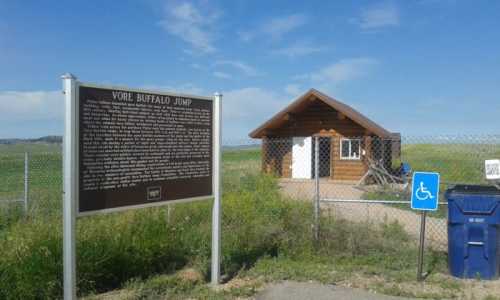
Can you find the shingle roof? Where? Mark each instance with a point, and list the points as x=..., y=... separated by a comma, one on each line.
x=348, y=111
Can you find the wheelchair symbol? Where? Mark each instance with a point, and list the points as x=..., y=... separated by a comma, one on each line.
x=422, y=193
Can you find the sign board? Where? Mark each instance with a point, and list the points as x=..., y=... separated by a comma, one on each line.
x=139, y=148
x=127, y=148
x=492, y=169
x=425, y=191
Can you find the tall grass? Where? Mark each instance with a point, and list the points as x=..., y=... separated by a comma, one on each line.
x=117, y=247
x=457, y=163
x=112, y=249
x=258, y=222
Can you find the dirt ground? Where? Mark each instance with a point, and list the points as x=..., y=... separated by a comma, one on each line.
x=304, y=189
x=436, y=228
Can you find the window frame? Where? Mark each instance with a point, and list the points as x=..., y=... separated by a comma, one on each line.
x=350, y=157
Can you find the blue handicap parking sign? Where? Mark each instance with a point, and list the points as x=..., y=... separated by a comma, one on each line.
x=425, y=191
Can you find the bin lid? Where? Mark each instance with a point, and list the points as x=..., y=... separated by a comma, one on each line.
x=474, y=199
x=474, y=189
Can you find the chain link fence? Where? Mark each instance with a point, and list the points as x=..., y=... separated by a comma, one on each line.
x=360, y=179
x=12, y=177
x=13, y=192
x=368, y=179
x=30, y=183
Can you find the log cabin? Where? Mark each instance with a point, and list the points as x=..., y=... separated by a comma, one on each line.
x=348, y=141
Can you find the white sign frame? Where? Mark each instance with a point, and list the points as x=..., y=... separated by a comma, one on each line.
x=487, y=164
x=412, y=199
x=71, y=180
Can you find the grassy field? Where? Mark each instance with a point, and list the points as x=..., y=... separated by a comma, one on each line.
x=456, y=164
x=30, y=148
x=267, y=237
x=462, y=163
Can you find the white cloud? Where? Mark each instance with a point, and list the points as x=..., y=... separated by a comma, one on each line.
x=275, y=27
x=196, y=66
x=251, y=103
x=432, y=2
x=186, y=22
x=246, y=108
x=377, y=17
x=222, y=75
x=344, y=70
x=185, y=88
x=298, y=49
x=301, y=77
x=31, y=106
x=239, y=65
x=246, y=36
x=293, y=90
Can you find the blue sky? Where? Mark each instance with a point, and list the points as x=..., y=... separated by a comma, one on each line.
x=418, y=67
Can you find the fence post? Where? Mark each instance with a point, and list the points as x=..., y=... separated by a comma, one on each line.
x=316, y=188
x=26, y=182
x=169, y=213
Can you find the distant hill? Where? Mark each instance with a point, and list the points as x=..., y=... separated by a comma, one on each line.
x=57, y=139
x=50, y=139
x=241, y=147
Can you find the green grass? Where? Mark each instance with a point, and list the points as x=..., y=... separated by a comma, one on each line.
x=265, y=235
x=45, y=183
x=114, y=248
x=462, y=163
x=237, y=164
x=30, y=148
x=457, y=163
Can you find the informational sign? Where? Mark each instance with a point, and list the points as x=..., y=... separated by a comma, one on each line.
x=139, y=148
x=126, y=148
x=492, y=169
x=425, y=191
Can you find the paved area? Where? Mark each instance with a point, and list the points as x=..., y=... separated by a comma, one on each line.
x=290, y=290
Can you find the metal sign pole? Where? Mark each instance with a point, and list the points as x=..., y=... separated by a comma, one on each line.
x=69, y=192
x=216, y=210
x=421, y=247
x=316, y=182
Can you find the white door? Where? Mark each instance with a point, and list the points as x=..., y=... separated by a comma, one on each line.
x=301, y=157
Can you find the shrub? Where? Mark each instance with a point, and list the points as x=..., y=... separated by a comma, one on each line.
x=116, y=248
x=112, y=249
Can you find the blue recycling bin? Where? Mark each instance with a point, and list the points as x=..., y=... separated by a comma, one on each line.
x=474, y=231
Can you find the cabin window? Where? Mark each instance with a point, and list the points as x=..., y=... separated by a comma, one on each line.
x=350, y=148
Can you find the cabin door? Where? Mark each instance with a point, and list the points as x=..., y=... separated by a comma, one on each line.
x=301, y=157
x=324, y=157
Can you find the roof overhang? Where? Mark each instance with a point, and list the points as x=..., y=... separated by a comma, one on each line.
x=304, y=100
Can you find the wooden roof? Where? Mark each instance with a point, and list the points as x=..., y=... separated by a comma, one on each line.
x=303, y=101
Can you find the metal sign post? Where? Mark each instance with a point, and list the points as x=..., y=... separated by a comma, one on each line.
x=421, y=246
x=70, y=191
x=424, y=197
x=216, y=210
